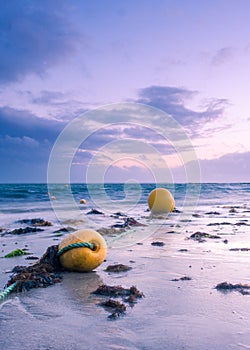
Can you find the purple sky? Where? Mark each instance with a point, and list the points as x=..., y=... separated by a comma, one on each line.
x=190, y=59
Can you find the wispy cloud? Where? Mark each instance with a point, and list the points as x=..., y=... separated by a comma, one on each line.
x=172, y=100
x=223, y=56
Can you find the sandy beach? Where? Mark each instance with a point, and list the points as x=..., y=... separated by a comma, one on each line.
x=181, y=309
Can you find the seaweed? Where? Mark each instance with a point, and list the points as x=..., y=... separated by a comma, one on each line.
x=95, y=212
x=225, y=287
x=42, y=274
x=115, y=307
x=219, y=223
x=127, y=223
x=212, y=213
x=35, y=222
x=158, y=244
x=128, y=295
x=118, y=268
x=20, y=231
x=16, y=252
x=184, y=278
x=239, y=249
x=199, y=236
x=118, y=291
x=110, y=230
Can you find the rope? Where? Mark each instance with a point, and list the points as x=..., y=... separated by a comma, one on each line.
x=91, y=246
x=7, y=290
x=76, y=245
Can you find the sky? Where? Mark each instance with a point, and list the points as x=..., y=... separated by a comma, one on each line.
x=140, y=65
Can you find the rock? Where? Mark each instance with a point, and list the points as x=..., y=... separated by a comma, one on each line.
x=94, y=212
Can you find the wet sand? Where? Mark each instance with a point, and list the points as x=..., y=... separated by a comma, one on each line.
x=176, y=312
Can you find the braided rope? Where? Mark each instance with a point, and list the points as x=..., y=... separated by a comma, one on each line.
x=7, y=290
x=75, y=245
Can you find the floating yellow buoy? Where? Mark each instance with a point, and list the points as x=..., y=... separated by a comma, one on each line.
x=67, y=185
x=82, y=201
x=83, y=259
x=160, y=201
x=53, y=198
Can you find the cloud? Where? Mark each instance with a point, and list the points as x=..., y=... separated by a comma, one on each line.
x=172, y=100
x=60, y=105
x=222, y=56
x=35, y=35
x=20, y=141
x=25, y=145
x=20, y=123
x=232, y=167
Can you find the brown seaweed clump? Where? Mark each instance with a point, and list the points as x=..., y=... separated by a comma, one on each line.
x=116, y=308
x=118, y=268
x=200, y=236
x=35, y=222
x=128, y=295
x=225, y=287
x=158, y=244
x=117, y=291
x=42, y=274
x=184, y=278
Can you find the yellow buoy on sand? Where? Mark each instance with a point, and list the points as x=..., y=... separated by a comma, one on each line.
x=160, y=201
x=82, y=258
x=83, y=201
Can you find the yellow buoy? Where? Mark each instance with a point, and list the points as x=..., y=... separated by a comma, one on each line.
x=82, y=201
x=83, y=259
x=53, y=198
x=160, y=201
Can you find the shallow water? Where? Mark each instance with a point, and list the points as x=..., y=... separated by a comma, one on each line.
x=188, y=314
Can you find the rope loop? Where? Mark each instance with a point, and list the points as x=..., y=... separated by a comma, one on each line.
x=76, y=245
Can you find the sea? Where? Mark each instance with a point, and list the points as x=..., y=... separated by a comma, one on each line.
x=205, y=240
x=19, y=201
x=60, y=204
